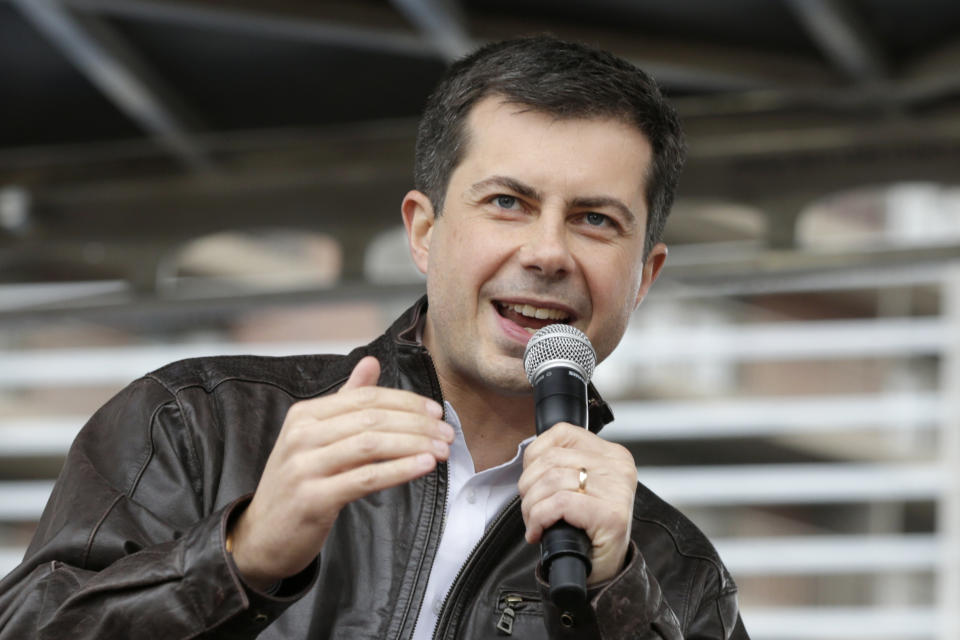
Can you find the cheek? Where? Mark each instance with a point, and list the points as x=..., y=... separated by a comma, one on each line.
x=613, y=293
x=613, y=280
x=461, y=262
x=483, y=249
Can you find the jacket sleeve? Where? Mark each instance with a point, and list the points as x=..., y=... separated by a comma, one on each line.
x=631, y=606
x=126, y=547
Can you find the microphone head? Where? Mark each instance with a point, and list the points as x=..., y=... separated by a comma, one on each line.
x=559, y=345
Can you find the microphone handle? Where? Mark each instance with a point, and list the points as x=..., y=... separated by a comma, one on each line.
x=560, y=395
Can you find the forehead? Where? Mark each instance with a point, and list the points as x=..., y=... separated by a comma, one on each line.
x=578, y=154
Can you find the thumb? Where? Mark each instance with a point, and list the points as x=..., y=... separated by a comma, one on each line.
x=364, y=374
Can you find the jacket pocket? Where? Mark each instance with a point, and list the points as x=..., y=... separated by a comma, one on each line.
x=513, y=604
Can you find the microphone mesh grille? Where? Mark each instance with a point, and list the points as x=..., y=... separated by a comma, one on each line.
x=559, y=342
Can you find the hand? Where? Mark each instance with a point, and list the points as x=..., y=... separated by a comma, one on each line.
x=330, y=451
x=549, y=491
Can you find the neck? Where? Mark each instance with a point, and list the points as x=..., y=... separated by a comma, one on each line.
x=493, y=424
x=494, y=420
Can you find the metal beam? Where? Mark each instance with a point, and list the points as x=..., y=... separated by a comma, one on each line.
x=115, y=366
x=793, y=483
x=116, y=70
x=677, y=64
x=948, y=509
x=692, y=65
x=843, y=623
x=785, y=341
x=842, y=37
x=772, y=416
x=303, y=29
x=830, y=554
x=441, y=22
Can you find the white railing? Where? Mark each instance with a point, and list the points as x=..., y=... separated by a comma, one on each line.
x=932, y=413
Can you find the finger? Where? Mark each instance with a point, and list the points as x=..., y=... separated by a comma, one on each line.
x=613, y=464
x=309, y=433
x=362, y=481
x=605, y=488
x=576, y=509
x=364, y=374
x=372, y=447
x=553, y=480
x=565, y=435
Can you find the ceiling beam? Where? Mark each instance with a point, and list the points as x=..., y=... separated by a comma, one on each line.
x=676, y=64
x=113, y=67
x=335, y=31
x=787, y=137
x=681, y=65
x=842, y=37
x=442, y=23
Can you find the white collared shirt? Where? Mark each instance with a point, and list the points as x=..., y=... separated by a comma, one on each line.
x=473, y=501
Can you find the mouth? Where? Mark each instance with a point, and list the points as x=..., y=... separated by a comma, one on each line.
x=531, y=317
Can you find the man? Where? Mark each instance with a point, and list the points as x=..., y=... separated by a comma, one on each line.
x=397, y=492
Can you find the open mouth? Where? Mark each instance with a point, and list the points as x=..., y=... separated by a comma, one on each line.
x=530, y=317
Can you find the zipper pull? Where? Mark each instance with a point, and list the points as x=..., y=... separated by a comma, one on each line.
x=505, y=624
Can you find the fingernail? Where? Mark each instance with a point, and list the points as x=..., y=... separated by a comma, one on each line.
x=434, y=409
x=441, y=447
x=425, y=461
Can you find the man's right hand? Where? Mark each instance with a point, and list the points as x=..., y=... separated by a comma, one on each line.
x=330, y=451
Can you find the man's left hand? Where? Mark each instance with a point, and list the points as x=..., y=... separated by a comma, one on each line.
x=550, y=492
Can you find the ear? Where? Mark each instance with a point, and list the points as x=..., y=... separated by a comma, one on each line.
x=651, y=269
x=418, y=218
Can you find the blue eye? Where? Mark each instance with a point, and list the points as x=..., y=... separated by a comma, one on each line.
x=505, y=202
x=596, y=219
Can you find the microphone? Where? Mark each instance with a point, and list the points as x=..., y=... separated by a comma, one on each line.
x=559, y=361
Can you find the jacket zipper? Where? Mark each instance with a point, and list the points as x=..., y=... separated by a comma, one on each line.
x=468, y=565
x=512, y=602
x=443, y=516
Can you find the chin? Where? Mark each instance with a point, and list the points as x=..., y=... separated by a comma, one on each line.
x=508, y=378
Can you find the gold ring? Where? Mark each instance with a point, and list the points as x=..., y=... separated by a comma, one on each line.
x=582, y=480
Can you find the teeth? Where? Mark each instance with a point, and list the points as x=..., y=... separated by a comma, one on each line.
x=537, y=312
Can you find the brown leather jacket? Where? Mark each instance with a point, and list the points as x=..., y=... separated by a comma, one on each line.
x=131, y=543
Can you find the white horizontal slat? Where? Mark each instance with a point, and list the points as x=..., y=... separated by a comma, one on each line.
x=846, y=623
x=833, y=339
x=748, y=484
x=24, y=296
x=23, y=500
x=772, y=416
x=793, y=483
x=120, y=365
x=38, y=436
x=895, y=274
x=829, y=554
x=10, y=557
x=52, y=435
x=893, y=337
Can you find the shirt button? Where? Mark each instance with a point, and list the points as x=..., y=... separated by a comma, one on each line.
x=471, y=496
x=437, y=606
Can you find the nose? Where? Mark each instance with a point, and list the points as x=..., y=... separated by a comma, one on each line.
x=546, y=248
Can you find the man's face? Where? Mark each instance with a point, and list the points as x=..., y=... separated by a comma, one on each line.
x=543, y=222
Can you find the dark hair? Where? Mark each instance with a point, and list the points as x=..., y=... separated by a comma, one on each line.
x=563, y=79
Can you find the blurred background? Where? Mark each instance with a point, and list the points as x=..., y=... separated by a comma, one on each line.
x=191, y=177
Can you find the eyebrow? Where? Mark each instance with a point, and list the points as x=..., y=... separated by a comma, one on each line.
x=516, y=186
x=525, y=190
